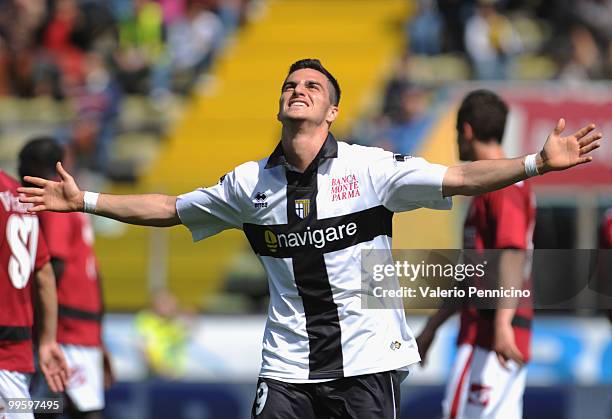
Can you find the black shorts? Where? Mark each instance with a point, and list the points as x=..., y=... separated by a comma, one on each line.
x=371, y=396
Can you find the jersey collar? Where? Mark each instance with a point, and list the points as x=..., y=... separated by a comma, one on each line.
x=329, y=150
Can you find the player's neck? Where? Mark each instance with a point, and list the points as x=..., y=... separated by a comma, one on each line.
x=488, y=151
x=301, y=144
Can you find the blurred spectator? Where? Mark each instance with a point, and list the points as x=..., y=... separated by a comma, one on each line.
x=192, y=43
x=409, y=122
x=72, y=30
x=584, y=61
x=20, y=22
x=172, y=11
x=405, y=114
x=406, y=111
x=164, y=333
x=98, y=103
x=62, y=53
x=367, y=131
x=454, y=14
x=232, y=13
x=97, y=29
x=597, y=14
x=491, y=42
x=425, y=29
x=141, y=45
x=393, y=92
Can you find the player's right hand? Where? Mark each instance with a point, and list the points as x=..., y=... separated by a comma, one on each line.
x=47, y=195
x=424, y=341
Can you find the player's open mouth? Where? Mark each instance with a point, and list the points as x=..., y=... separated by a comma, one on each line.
x=298, y=103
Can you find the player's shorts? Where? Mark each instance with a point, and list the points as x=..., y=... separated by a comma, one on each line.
x=14, y=384
x=371, y=396
x=480, y=388
x=86, y=384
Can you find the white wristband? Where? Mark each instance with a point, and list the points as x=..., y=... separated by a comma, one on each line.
x=531, y=167
x=90, y=199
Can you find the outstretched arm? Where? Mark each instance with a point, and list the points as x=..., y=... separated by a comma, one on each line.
x=559, y=153
x=65, y=196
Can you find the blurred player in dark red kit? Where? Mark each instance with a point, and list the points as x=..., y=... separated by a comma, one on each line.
x=605, y=233
x=605, y=242
x=488, y=379
x=26, y=281
x=70, y=240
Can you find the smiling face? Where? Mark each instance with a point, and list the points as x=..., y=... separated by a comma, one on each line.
x=306, y=97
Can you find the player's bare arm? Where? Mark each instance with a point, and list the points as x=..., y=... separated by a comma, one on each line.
x=65, y=196
x=51, y=358
x=559, y=153
x=511, y=267
x=428, y=334
x=109, y=373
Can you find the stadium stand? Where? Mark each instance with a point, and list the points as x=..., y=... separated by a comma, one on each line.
x=108, y=79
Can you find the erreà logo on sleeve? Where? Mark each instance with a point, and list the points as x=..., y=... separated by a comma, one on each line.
x=317, y=238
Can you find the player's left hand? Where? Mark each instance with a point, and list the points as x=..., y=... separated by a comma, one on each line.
x=560, y=153
x=505, y=347
x=53, y=366
x=109, y=374
x=424, y=341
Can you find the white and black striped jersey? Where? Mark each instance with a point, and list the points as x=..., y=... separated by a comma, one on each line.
x=309, y=229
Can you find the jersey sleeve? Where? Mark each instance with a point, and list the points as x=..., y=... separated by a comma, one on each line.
x=208, y=211
x=58, y=233
x=507, y=208
x=404, y=183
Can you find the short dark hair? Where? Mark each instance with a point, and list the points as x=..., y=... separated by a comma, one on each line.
x=315, y=64
x=486, y=113
x=38, y=157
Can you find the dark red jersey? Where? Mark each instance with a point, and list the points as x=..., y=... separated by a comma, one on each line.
x=22, y=252
x=502, y=219
x=605, y=236
x=70, y=239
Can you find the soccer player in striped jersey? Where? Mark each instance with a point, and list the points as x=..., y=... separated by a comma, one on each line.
x=308, y=210
x=488, y=378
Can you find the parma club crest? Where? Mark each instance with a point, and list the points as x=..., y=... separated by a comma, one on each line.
x=302, y=207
